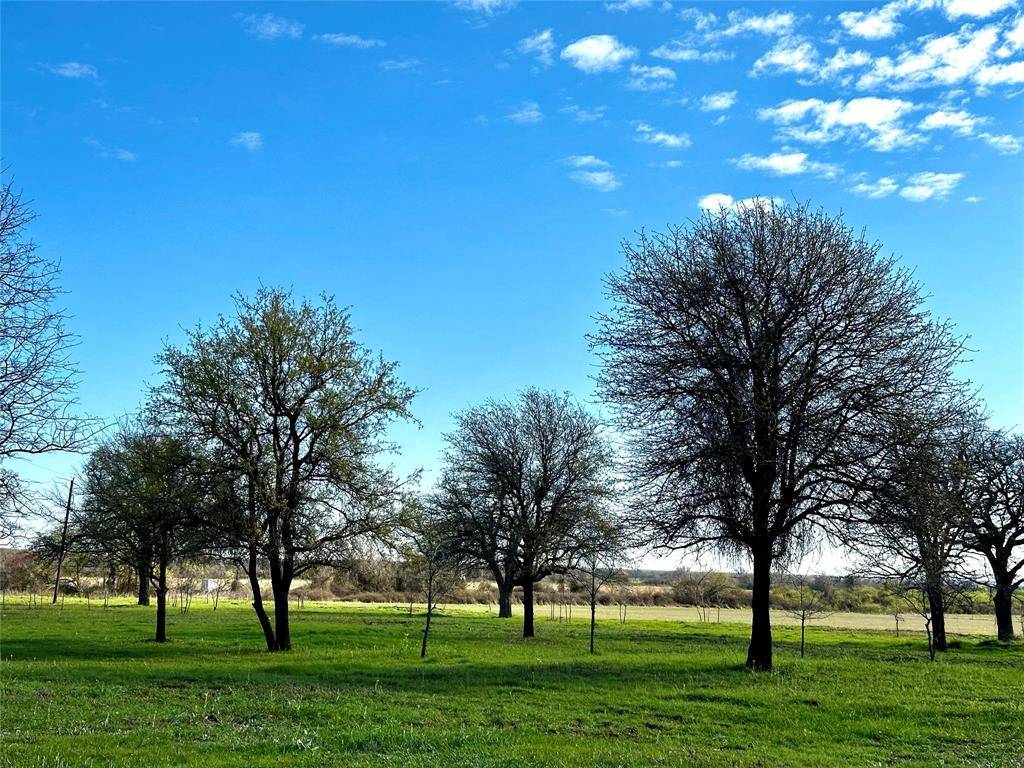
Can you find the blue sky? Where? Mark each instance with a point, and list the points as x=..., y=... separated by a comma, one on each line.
x=461, y=174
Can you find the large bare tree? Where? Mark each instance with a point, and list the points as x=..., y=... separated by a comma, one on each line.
x=292, y=412
x=37, y=375
x=995, y=526
x=756, y=359
x=522, y=485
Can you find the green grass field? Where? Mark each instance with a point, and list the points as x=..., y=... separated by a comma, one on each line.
x=86, y=687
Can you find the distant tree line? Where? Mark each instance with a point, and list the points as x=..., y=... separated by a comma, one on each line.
x=774, y=382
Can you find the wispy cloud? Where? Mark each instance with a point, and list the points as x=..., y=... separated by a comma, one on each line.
x=486, y=7
x=540, y=45
x=718, y=102
x=268, y=26
x=581, y=115
x=625, y=6
x=75, y=70
x=113, y=153
x=345, y=40
x=650, y=135
x=680, y=51
x=871, y=121
x=597, y=53
x=593, y=172
x=248, y=140
x=527, y=112
x=930, y=186
x=399, y=65
x=644, y=78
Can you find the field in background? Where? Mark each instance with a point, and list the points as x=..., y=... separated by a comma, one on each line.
x=978, y=624
x=85, y=687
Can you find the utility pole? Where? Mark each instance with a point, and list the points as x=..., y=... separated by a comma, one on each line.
x=63, y=541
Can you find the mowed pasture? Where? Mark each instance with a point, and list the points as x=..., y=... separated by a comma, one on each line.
x=86, y=687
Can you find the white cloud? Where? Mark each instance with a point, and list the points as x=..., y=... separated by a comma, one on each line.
x=625, y=6
x=973, y=199
x=526, y=113
x=774, y=23
x=486, y=7
x=702, y=20
x=719, y=200
x=602, y=181
x=345, y=40
x=876, y=24
x=597, y=53
x=661, y=138
x=875, y=122
x=581, y=115
x=786, y=164
x=398, y=65
x=787, y=56
x=679, y=51
x=112, y=153
x=718, y=102
x=882, y=187
x=267, y=26
x=250, y=140
x=930, y=186
x=654, y=78
x=883, y=22
x=964, y=124
x=75, y=70
x=585, y=161
x=541, y=45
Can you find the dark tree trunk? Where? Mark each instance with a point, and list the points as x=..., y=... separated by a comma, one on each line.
x=426, y=626
x=759, y=653
x=803, y=624
x=143, y=574
x=504, y=601
x=937, y=606
x=593, y=623
x=282, y=629
x=257, y=604
x=161, y=603
x=527, y=608
x=1003, y=600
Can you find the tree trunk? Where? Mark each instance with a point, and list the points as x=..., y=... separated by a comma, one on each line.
x=759, y=653
x=1003, y=600
x=282, y=629
x=143, y=573
x=527, y=609
x=593, y=622
x=504, y=601
x=161, y=603
x=937, y=606
x=803, y=622
x=257, y=604
x=426, y=626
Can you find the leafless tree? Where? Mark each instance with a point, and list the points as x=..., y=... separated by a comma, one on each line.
x=522, y=483
x=995, y=526
x=755, y=360
x=292, y=413
x=810, y=606
x=914, y=527
x=702, y=589
x=37, y=375
x=601, y=565
x=435, y=559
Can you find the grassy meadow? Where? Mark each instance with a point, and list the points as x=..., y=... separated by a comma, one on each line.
x=85, y=687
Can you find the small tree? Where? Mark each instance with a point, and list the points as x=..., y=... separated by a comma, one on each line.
x=144, y=492
x=602, y=565
x=810, y=606
x=523, y=484
x=434, y=558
